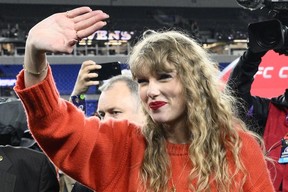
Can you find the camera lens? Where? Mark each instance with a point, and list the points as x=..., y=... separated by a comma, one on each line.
x=266, y=35
x=268, y=38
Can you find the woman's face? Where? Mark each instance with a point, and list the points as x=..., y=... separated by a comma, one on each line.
x=162, y=96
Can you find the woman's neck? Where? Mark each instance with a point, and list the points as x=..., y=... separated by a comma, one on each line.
x=177, y=133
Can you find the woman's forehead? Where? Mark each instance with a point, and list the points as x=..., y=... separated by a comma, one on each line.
x=154, y=70
x=149, y=66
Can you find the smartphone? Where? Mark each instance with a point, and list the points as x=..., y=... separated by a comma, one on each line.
x=107, y=71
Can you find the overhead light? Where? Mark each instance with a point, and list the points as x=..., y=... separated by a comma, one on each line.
x=240, y=40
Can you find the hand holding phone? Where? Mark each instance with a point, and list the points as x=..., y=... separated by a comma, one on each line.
x=107, y=71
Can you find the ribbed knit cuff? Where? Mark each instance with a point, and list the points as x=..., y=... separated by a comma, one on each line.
x=39, y=100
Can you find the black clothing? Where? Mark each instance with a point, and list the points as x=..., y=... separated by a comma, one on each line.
x=80, y=188
x=13, y=125
x=26, y=170
x=240, y=81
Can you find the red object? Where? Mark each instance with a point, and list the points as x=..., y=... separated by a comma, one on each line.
x=271, y=80
x=156, y=104
x=275, y=129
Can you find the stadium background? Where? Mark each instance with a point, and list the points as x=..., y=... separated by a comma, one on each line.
x=219, y=25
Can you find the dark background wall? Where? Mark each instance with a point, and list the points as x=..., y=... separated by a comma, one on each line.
x=165, y=3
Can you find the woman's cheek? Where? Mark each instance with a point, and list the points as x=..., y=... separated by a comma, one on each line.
x=143, y=95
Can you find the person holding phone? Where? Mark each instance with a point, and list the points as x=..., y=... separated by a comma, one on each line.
x=88, y=76
x=83, y=82
x=192, y=139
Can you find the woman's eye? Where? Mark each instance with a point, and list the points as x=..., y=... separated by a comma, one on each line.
x=164, y=76
x=139, y=81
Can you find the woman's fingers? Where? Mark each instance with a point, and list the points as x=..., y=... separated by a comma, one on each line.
x=86, y=21
x=90, y=30
x=77, y=11
x=89, y=23
x=62, y=31
x=87, y=15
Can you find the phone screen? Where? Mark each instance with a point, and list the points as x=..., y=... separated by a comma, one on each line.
x=107, y=71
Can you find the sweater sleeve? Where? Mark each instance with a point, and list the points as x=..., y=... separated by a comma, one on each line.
x=84, y=148
x=258, y=178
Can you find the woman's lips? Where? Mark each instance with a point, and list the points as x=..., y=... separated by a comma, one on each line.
x=156, y=104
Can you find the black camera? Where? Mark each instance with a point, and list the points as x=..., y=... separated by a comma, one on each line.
x=267, y=35
x=272, y=33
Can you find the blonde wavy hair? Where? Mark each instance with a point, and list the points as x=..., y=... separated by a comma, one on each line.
x=210, y=113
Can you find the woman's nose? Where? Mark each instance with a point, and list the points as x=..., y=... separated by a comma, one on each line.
x=153, y=90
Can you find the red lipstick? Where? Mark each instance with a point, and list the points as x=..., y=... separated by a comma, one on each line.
x=156, y=104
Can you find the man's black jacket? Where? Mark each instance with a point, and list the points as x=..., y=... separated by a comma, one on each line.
x=240, y=81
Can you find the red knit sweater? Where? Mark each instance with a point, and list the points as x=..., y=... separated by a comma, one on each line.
x=108, y=156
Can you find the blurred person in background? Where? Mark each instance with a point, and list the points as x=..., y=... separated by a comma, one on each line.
x=192, y=139
x=119, y=97
x=266, y=116
x=23, y=167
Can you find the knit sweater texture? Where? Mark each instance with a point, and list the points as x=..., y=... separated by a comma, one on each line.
x=107, y=156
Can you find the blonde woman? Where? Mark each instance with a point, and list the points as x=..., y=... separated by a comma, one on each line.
x=192, y=141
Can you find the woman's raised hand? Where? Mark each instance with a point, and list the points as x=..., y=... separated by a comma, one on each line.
x=57, y=33
x=61, y=31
